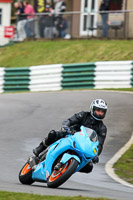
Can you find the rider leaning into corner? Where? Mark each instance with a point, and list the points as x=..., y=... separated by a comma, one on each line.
x=92, y=119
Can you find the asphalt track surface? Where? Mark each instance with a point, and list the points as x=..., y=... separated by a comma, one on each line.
x=26, y=118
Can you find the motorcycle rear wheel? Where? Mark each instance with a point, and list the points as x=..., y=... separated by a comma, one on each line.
x=25, y=175
x=60, y=176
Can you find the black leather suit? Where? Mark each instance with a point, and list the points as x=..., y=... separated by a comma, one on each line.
x=74, y=123
x=85, y=119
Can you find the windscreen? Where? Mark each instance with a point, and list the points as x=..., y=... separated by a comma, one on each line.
x=91, y=134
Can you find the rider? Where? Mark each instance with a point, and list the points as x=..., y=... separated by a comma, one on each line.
x=92, y=119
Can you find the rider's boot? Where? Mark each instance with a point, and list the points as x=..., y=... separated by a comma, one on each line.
x=42, y=146
x=52, y=137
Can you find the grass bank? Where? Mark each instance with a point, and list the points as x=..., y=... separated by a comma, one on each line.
x=23, y=196
x=124, y=166
x=30, y=53
x=121, y=89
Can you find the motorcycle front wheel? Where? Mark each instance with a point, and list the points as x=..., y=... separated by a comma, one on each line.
x=25, y=175
x=60, y=176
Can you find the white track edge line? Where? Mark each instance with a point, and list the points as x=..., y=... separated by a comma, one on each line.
x=109, y=165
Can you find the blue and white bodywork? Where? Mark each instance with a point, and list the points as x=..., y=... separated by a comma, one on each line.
x=82, y=146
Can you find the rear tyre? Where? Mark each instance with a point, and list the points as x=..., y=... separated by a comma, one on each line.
x=25, y=175
x=58, y=177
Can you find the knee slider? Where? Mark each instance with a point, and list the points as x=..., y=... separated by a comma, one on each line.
x=89, y=167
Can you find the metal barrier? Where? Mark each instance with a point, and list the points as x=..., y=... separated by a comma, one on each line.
x=79, y=25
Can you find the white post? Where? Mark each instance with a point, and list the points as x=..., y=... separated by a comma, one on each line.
x=5, y=15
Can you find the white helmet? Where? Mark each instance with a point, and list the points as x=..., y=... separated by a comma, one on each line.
x=99, y=105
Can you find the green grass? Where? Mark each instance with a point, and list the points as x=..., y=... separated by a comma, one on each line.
x=43, y=52
x=23, y=196
x=119, y=89
x=124, y=166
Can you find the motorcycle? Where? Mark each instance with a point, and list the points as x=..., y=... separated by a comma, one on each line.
x=62, y=159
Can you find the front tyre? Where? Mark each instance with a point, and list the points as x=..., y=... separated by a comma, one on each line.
x=58, y=177
x=25, y=175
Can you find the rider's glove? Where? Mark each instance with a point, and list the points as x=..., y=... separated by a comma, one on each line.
x=95, y=160
x=65, y=129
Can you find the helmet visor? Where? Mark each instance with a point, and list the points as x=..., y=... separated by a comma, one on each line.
x=99, y=112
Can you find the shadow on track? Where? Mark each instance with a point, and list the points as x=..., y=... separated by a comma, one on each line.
x=59, y=188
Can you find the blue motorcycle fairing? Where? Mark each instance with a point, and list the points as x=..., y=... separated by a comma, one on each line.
x=86, y=146
x=77, y=143
x=39, y=174
x=88, y=149
x=56, y=149
x=67, y=157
